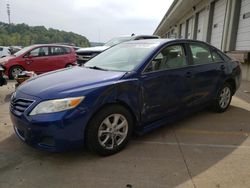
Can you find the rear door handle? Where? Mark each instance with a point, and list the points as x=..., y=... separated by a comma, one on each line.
x=222, y=67
x=189, y=75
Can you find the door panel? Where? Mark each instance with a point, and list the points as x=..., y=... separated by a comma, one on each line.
x=37, y=64
x=206, y=73
x=58, y=58
x=206, y=80
x=166, y=84
x=37, y=60
x=165, y=93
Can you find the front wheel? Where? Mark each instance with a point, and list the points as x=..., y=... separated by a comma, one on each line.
x=109, y=130
x=15, y=71
x=223, y=98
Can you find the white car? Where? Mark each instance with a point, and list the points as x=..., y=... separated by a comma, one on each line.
x=4, y=51
x=85, y=54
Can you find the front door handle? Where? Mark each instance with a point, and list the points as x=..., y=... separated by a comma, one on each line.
x=29, y=62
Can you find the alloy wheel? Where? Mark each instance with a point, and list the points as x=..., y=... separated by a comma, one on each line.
x=225, y=96
x=113, y=131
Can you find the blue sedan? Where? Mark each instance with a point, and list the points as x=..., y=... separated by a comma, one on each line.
x=133, y=87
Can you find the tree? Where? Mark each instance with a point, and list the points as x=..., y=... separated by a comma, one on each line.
x=24, y=35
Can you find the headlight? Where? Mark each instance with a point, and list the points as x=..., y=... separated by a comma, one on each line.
x=56, y=105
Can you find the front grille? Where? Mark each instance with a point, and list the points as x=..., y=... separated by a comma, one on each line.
x=18, y=106
x=84, y=57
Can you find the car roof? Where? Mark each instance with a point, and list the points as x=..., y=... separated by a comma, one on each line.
x=144, y=36
x=149, y=41
x=43, y=45
x=165, y=40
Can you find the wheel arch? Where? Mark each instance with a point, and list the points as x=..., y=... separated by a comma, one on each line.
x=232, y=83
x=117, y=102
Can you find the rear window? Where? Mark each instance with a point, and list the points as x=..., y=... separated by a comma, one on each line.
x=1, y=49
x=217, y=57
x=224, y=56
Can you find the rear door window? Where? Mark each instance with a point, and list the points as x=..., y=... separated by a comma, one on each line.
x=57, y=50
x=201, y=54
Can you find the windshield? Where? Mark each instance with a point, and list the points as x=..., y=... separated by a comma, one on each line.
x=117, y=40
x=20, y=52
x=123, y=57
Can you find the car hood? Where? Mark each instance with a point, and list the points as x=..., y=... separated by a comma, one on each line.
x=66, y=82
x=6, y=59
x=93, y=49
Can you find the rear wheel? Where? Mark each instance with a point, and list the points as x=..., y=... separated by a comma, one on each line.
x=223, y=98
x=69, y=65
x=109, y=130
x=14, y=71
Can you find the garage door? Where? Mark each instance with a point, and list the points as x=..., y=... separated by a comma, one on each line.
x=183, y=29
x=190, y=28
x=200, y=26
x=243, y=35
x=218, y=23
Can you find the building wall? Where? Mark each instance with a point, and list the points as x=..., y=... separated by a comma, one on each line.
x=226, y=25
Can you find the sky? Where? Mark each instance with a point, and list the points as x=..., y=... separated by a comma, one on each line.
x=98, y=20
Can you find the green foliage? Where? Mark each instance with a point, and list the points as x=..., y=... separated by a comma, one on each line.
x=24, y=35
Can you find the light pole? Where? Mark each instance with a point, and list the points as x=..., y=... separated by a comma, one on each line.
x=8, y=12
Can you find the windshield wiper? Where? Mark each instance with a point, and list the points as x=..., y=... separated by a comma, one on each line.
x=97, y=68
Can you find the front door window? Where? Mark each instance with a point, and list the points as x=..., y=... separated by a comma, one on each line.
x=171, y=57
x=39, y=52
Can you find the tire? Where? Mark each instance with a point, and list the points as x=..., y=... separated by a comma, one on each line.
x=103, y=135
x=223, y=99
x=14, y=71
x=69, y=65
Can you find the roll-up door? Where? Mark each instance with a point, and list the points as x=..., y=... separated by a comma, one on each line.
x=218, y=23
x=200, y=26
x=183, y=29
x=190, y=28
x=243, y=34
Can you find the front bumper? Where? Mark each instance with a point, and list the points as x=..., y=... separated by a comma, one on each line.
x=53, y=132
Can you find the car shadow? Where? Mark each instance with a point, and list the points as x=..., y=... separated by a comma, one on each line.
x=7, y=98
x=155, y=159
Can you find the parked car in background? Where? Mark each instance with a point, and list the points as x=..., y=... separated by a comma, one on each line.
x=4, y=51
x=85, y=54
x=134, y=86
x=40, y=59
x=14, y=49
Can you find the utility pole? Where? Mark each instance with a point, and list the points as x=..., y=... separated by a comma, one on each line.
x=8, y=11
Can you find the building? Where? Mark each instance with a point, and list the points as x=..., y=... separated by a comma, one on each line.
x=222, y=23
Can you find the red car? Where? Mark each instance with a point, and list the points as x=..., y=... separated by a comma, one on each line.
x=40, y=59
